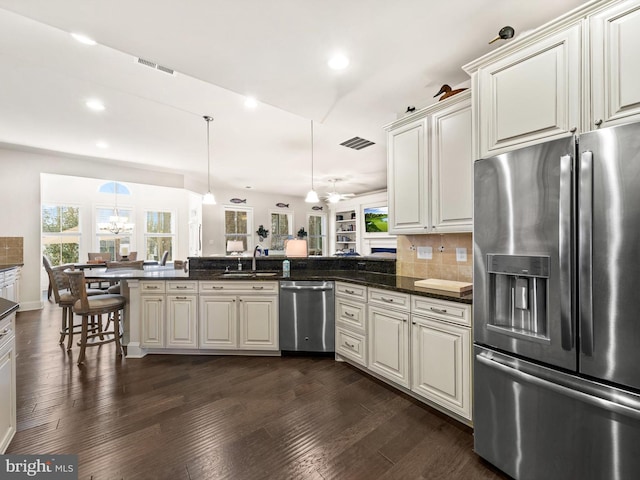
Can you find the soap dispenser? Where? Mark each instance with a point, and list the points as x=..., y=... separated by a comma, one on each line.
x=239, y=264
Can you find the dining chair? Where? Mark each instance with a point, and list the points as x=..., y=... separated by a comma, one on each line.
x=63, y=297
x=97, y=305
x=103, y=256
x=46, y=263
x=163, y=260
x=132, y=257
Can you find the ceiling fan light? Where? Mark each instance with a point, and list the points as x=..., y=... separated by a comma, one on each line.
x=333, y=197
x=312, y=197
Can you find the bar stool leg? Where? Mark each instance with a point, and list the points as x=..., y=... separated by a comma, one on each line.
x=116, y=330
x=63, y=330
x=83, y=338
x=70, y=328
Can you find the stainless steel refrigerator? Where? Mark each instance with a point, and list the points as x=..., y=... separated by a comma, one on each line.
x=557, y=308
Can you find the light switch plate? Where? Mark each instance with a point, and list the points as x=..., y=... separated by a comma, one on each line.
x=425, y=252
x=461, y=254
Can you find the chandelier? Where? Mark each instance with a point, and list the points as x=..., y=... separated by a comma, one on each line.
x=117, y=224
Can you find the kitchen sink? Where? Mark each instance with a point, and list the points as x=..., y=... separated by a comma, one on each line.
x=249, y=274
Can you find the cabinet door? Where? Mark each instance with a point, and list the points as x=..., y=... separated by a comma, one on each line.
x=258, y=323
x=389, y=344
x=218, y=326
x=152, y=318
x=7, y=394
x=452, y=167
x=532, y=95
x=182, y=321
x=615, y=70
x=407, y=177
x=441, y=364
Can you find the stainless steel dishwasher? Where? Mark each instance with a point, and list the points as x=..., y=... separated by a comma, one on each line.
x=307, y=316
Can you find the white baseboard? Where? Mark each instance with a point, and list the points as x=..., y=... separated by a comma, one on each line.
x=28, y=306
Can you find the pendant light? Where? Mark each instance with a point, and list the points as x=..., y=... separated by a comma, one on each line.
x=312, y=196
x=208, y=198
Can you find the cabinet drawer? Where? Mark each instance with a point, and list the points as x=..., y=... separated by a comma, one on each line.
x=351, y=345
x=349, y=290
x=233, y=286
x=152, y=287
x=399, y=301
x=453, y=312
x=351, y=313
x=182, y=286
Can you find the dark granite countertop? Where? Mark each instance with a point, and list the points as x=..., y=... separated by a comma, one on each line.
x=7, y=307
x=9, y=266
x=371, y=279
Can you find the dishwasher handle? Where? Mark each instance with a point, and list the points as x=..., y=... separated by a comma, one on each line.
x=306, y=287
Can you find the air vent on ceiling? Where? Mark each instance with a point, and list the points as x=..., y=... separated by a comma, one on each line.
x=155, y=66
x=357, y=143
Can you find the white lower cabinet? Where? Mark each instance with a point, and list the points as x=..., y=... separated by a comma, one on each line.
x=389, y=344
x=351, y=322
x=218, y=322
x=441, y=364
x=152, y=319
x=182, y=321
x=422, y=344
x=238, y=315
x=7, y=381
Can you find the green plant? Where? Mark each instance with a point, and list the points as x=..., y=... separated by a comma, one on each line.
x=262, y=233
x=302, y=233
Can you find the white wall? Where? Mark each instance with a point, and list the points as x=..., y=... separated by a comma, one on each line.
x=20, y=200
x=262, y=205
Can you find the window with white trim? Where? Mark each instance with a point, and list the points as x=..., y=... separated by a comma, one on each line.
x=61, y=233
x=159, y=234
x=281, y=229
x=238, y=226
x=317, y=237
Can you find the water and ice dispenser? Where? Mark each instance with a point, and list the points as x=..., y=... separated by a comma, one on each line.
x=518, y=298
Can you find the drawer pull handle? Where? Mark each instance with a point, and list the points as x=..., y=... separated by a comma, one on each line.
x=257, y=288
x=346, y=344
x=181, y=287
x=349, y=314
x=4, y=332
x=181, y=298
x=389, y=300
x=155, y=287
x=216, y=288
x=351, y=292
x=438, y=310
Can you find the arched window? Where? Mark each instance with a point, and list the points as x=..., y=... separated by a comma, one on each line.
x=114, y=187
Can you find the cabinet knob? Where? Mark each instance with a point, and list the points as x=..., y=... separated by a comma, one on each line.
x=573, y=129
x=598, y=122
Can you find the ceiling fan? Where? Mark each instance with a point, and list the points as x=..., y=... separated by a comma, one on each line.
x=335, y=197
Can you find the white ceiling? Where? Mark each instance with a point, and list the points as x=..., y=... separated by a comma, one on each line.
x=401, y=52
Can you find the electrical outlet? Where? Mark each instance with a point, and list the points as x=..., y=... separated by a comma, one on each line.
x=441, y=248
x=461, y=254
x=425, y=252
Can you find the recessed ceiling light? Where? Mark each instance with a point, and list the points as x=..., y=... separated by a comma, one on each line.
x=250, y=102
x=101, y=144
x=83, y=39
x=95, y=105
x=338, y=62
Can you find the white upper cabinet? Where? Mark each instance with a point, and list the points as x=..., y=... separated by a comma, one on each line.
x=407, y=177
x=577, y=73
x=452, y=167
x=615, y=69
x=430, y=169
x=531, y=95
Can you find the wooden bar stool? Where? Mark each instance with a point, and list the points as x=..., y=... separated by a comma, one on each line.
x=91, y=306
x=63, y=297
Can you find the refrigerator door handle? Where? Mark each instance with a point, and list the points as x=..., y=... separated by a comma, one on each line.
x=567, y=391
x=585, y=220
x=564, y=253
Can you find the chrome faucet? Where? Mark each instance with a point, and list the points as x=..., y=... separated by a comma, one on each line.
x=253, y=261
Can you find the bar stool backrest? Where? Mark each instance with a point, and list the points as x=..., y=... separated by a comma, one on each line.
x=78, y=290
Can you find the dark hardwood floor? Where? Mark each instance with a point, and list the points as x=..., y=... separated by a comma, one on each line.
x=225, y=417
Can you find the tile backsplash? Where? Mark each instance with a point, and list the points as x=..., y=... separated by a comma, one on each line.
x=443, y=264
x=11, y=249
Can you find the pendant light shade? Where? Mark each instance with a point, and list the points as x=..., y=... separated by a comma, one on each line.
x=208, y=198
x=312, y=196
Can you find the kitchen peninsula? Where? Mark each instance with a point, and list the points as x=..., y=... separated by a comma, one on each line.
x=379, y=315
